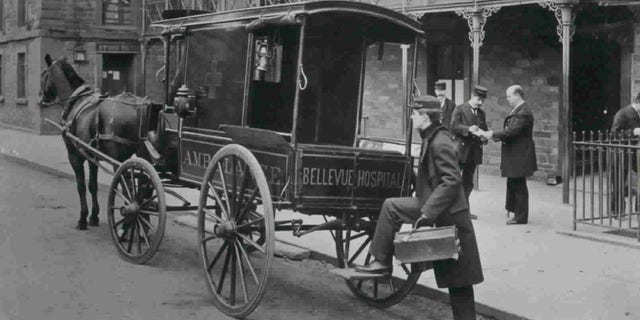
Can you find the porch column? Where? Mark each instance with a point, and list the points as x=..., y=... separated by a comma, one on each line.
x=476, y=19
x=565, y=15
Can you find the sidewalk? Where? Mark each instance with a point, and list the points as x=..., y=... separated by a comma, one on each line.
x=532, y=271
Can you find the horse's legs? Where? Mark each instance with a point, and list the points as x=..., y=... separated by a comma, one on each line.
x=77, y=163
x=93, y=189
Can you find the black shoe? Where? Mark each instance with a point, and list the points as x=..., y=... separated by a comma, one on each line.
x=473, y=216
x=374, y=266
x=514, y=221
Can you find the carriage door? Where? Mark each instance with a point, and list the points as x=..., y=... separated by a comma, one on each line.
x=116, y=73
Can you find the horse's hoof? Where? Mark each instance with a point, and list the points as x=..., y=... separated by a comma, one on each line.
x=94, y=222
x=81, y=226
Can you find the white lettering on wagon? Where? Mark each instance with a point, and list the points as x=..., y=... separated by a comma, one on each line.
x=201, y=160
x=346, y=177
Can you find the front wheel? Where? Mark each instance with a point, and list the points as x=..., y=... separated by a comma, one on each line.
x=235, y=230
x=136, y=210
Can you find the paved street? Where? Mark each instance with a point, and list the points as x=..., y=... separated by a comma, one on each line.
x=50, y=271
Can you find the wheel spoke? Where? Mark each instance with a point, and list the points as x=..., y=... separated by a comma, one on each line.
x=404, y=267
x=375, y=288
x=139, y=241
x=243, y=185
x=153, y=229
x=247, y=204
x=213, y=216
x=126, y=187
x=130, y=244
x=362, y=234
x=393, y=287
x=249, y=265
x=233, y=275
x=244, y=225
x=253, y=243
x=234, y=191
x=218, y=200
x=115, y=225
x=144, y=234
x=218, y=255
x=121, y=196
x=134, y=186
x=223, y=274
x=151, y=213
x=146, y=202
x=357, y=253
x=241, y=273
x=224, y=188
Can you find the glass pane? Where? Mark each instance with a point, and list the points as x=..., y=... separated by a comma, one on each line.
x=216, y=65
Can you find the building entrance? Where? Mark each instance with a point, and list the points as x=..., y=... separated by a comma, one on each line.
x=116, y=73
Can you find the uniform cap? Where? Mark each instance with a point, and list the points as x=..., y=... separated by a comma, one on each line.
x=480, y=92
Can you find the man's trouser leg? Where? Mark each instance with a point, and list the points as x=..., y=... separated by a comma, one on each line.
x=393, y=213
x=463, y=303
x=520, y=194
x=468, y=169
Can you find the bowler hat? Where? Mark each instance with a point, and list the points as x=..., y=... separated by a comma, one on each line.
x=426, y=102
x=441, y=85
x=480, y=92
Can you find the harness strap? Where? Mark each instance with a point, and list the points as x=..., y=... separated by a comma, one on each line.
x=114, y=138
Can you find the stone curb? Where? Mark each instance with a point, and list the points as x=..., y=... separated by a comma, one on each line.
x=420, y=290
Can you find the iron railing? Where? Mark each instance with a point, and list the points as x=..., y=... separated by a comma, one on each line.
x=605, y=183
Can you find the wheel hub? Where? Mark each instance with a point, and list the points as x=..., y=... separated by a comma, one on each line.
x=225, y=229
x=130, y=209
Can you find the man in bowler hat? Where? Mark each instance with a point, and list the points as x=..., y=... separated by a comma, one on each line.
x=439, y=201
x=446, y=105
x=518, y=154
x=466, y=120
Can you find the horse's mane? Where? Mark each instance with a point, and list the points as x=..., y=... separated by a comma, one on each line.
x=74, y=79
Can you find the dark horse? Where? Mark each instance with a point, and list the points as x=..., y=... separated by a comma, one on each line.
x=109, y=124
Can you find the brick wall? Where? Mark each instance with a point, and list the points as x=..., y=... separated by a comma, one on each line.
x=539, y=74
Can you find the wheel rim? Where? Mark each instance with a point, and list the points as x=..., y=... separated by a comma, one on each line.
x=235, y=230
x=353, y=248
x=137, y=211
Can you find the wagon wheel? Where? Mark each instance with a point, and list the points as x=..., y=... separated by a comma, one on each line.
x=353, y=248
x=235, y=230
x=136, y=210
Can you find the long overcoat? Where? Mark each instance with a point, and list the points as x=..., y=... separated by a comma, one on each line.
x=447, y=112
x=469, y=145
x=441, y=198
x=518, y=158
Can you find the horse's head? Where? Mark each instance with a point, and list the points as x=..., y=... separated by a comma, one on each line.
x=57, y=81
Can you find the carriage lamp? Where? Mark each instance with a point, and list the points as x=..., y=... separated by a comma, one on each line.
x=264, y=54
x=185, y=102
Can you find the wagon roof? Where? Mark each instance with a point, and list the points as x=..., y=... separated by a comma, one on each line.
x=293, y=9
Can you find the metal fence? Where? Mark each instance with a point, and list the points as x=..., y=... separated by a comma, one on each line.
x=605, y=182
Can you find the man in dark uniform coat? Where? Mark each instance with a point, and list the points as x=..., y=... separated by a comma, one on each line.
x=446, y=105
x=440, y=201
x=466, y=120
x=626, y=119
x=518, y=156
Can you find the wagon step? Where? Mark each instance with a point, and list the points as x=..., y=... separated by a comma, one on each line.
x=353, y=274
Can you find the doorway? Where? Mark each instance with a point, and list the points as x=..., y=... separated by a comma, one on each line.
x=116, y=73
x=595, y=82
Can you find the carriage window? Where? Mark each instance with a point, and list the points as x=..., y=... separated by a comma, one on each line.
x=332, y=63
x=215, y=72
x=273, y=85
x=383, y=111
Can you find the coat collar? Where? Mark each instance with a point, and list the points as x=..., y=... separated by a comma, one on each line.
x=426, y=135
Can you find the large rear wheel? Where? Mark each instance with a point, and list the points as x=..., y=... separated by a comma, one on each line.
x=136, y=210
x=235, y=230
x=352, y=247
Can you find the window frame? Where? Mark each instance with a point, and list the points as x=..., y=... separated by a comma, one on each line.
x=21, y=73
x=122, y=10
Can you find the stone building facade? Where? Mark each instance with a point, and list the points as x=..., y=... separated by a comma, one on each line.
x=99, y=37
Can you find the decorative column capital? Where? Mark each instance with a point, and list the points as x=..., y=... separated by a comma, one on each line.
x=565, y=15
x=476, y=19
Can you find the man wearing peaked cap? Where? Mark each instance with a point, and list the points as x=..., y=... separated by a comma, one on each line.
x=468, y=119
x=446, y=104
x=439, y=202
